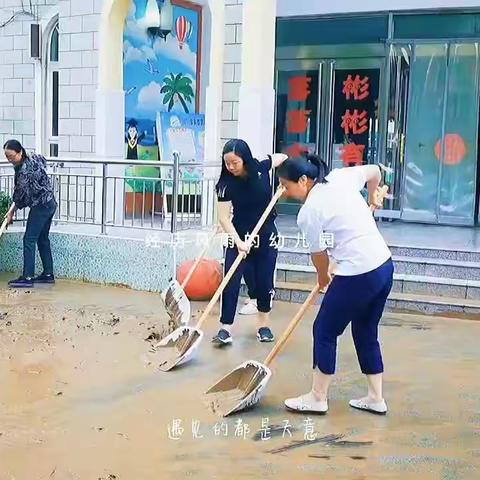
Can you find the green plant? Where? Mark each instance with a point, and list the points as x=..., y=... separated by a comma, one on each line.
x=177, y=86
x=5, y=202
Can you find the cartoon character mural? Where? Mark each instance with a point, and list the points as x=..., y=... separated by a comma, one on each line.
x=133, y=139
x=161, y=72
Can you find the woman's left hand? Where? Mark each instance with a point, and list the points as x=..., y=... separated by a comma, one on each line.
x=9, y=218
x=278, y=159
x=375, y=199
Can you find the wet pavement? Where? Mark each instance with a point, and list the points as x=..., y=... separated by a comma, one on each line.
x=78, y=400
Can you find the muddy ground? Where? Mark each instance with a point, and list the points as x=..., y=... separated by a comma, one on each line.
x=78, y=400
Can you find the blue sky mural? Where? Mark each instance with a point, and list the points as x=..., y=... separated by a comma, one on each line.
x=147, y=64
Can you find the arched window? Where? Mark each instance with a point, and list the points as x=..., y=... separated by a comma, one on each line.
x=51, y=92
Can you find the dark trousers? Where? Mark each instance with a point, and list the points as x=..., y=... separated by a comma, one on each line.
x=359, y=299
x=249, y=277
x=261, y=261
x=36, y=234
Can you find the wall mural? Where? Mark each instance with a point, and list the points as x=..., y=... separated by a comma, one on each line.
x=161, y=73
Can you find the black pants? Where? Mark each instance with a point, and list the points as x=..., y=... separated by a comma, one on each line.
x=36, y=233
x=261, y=261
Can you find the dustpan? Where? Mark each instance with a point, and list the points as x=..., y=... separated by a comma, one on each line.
x=244, y=386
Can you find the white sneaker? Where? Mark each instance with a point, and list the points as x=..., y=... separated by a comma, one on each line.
x=379, y=408
x=307, y=403
x=250, y=308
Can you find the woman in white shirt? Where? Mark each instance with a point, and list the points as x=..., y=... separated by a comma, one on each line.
x=334, y=210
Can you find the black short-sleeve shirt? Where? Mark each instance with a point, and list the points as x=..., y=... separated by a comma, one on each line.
x=250, y=197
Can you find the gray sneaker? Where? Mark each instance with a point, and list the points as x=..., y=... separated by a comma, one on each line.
x=264, y=334
x=223, y=337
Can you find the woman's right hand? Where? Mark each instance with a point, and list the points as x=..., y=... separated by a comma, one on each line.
x=324, y=281
x=242, y=247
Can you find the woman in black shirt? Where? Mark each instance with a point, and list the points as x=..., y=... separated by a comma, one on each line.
x=245, y=187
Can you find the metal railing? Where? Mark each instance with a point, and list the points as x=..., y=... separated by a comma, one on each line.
x=130, y=194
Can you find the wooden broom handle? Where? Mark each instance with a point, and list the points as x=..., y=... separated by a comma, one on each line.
x=240, y=256
x=4, y=226
x=291, y=326
x=199, y=258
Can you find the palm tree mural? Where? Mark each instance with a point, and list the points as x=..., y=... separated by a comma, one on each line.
x=177, y=86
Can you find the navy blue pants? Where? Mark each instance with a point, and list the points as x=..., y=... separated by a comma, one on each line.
x=249, y=277
x=36, y=234
x=359, y=299
x=261, y=262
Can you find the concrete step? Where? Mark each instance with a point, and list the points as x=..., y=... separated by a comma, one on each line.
x=295, y=245
x=403, y=283
x=424, y=266
x=400, y=302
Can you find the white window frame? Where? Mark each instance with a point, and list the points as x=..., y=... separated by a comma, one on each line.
x=43, y=87
x=51, y=67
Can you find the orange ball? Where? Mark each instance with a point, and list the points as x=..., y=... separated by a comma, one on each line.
x=205, y=279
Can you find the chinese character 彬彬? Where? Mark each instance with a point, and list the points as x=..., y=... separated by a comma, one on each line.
x=357, y=87
x=356, y=123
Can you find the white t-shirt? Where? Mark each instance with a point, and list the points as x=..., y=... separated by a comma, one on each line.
x=336, y=218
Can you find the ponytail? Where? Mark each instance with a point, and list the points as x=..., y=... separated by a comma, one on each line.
x=310, y=166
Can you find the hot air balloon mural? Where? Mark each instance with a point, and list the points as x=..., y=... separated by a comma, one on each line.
x=184, y=30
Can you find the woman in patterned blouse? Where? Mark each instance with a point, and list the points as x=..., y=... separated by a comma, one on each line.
x=33, y=190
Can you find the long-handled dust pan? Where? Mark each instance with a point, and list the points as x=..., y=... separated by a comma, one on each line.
x=174, y=297
x=243, y=387
x=180, y=345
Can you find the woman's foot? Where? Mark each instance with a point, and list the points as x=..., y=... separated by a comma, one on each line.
x=369, y=405
x=21, y=282
x=264, y=334
x=223, y=337
x=44, y=278
x=250, y=308
x=307, y=403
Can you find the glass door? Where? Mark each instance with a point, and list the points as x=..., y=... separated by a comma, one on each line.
x=440, y=167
